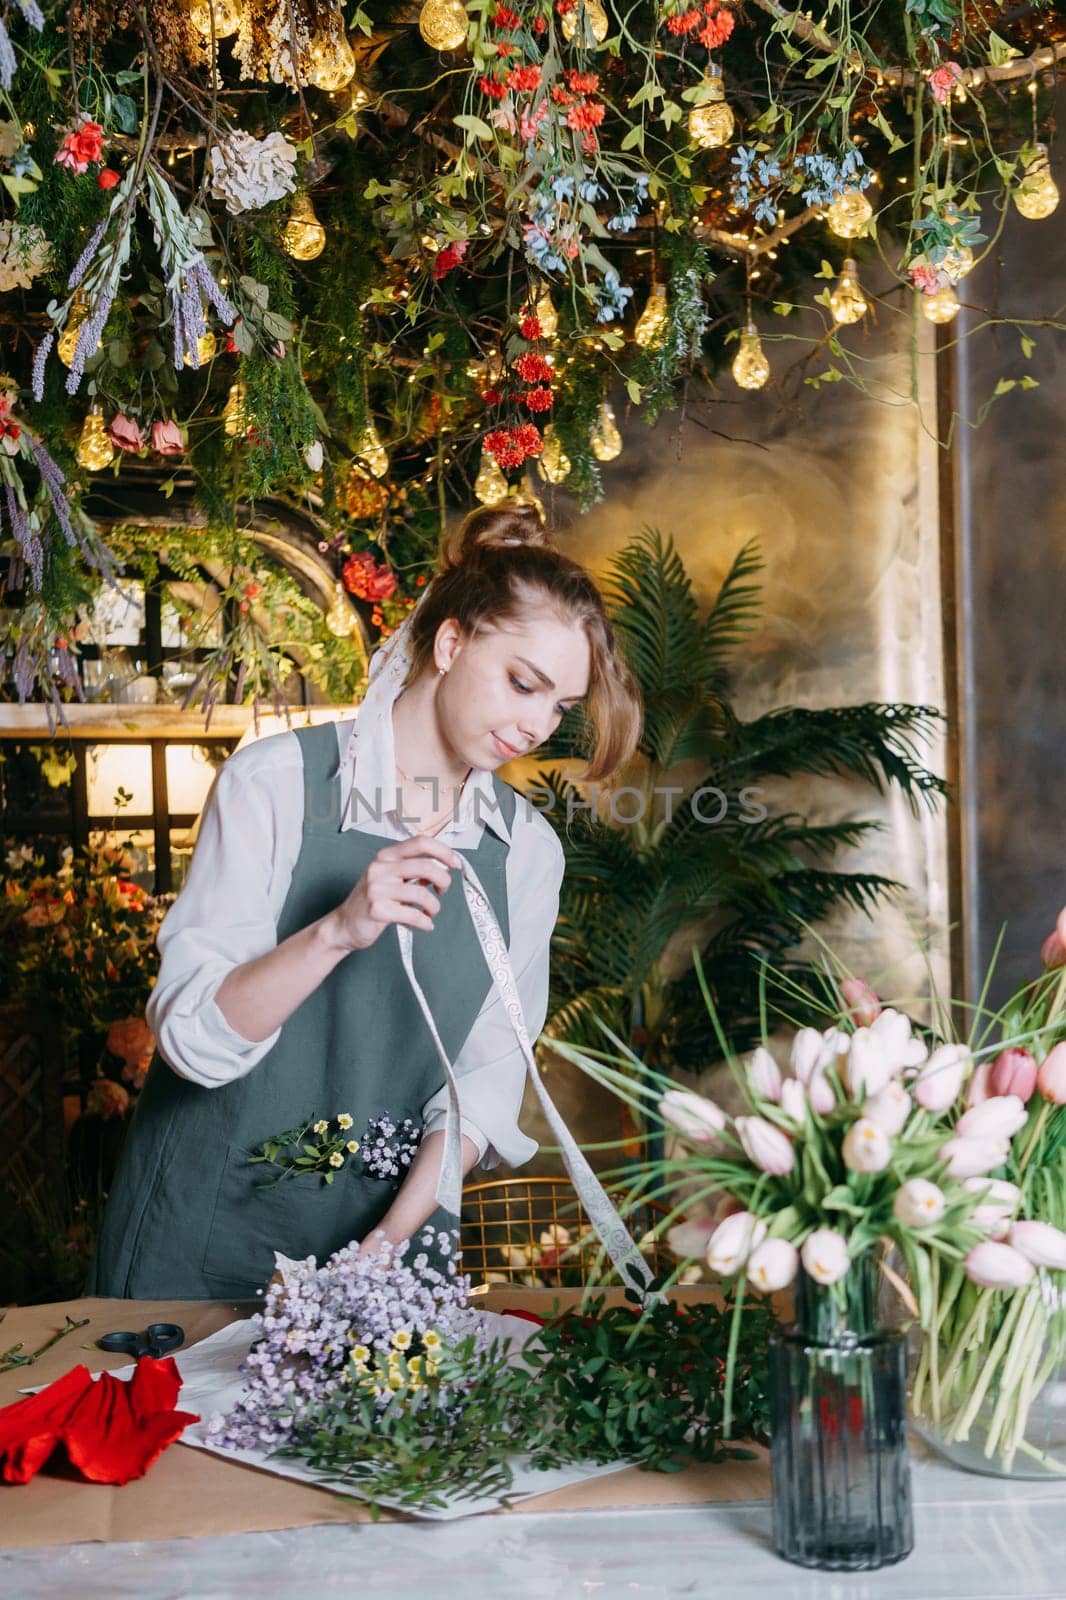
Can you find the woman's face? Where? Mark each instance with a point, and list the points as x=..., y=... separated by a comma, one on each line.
x=506, y=687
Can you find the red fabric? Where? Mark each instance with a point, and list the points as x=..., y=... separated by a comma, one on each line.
x=112, y=1431
x=527, y=1316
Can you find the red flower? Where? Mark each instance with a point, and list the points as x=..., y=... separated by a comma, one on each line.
x=503, y=17
x=252, y=590
x=560, y=96
x=717, y=29
x=492, y=87
x=81, y=145
x=505, y=49
x=111, y=1431
x=583, y=82
x=943, y=79
x=420, y=581
x=538, y=399
x=107, y=1099
x=527, y=436
x=532, y=368
x=363, y=577
x=540, y=24
x=448, y=259
x=586, y=116
x=687, y=22
x=524, y=78
x=501, y=445
x=107, y=178
x=530, y=329
x=491, y=397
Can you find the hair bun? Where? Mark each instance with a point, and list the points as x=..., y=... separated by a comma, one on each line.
x=516, y=522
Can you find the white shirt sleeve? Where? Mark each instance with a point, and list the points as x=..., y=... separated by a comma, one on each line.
x=227, y=910
x=490, y=1070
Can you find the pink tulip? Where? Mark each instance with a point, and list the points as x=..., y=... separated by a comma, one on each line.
x=863, y=1003
x=693, y=1115
x=765, y=1075
x=997, y=1266
x=1051, y=1076
x=691, y=1237
x=1013, y=1072
x=825, y=1255
x=1039, y=1243
x=733, y=1241
x=869, y=1065
x=820, y=1093
x=919, y=1204
x=773, y=1265
x=125, y=434
x=1060, y=927
x=1053, y=951
x=794, y=1101
x=890, y=1109
x=942, y=1076
x=769, y=1148
x=999, y=1117
x=977, y=1090
x=970, y=1158
x=999, y=1201
x=167, y=439
x=866, y=1147
x=807, y=1047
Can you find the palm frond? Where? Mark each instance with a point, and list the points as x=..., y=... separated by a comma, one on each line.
x=736, y=607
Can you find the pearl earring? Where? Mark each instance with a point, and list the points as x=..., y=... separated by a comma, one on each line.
x=441, y=671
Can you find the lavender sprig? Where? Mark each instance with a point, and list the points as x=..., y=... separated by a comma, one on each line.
x=40, y=360
x=82, y=263
x=8, y=64
x=27, y=536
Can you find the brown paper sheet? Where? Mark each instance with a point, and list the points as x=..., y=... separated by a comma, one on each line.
x=193, y=1494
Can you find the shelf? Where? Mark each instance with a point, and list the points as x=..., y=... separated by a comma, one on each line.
x=110, y=722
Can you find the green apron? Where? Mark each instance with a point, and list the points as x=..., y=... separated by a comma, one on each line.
x=188, y=1217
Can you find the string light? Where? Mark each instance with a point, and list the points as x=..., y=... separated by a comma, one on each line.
x=443, y=24
x=941, y=306
x=234, y=421
x=711, y=122
x=490, y=485
x=849, y=214
x=373, y=452
x=605, y=439
x=330, y=61
x=553, y=463
x=226, y=15
x=68, y=339
x=847, y=301
x=595, y=22
x=304, y=237
x=750, y=366
x=341, y=620
x=651, y=324
x=94, y=449
x=546, y=315
x=1037, y=195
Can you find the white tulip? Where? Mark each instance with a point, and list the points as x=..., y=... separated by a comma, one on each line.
x=807, y=1047
x=869, y=1065
x=768, y=1147
x=1039, y=1243
x=825, y=1255
x=918, y=1203
x=773, y=1265
x=942, y=1077
x=997, y=1266
x=890, y=1108
x=693, y=1115
x=893, y=1030
x=733, y=1241
x=969, y=1158
x=834, y=1049
x=765, y=1075
x=866, y=1147
x=821, y=1094
x=794, y=1101
x=998, y=1117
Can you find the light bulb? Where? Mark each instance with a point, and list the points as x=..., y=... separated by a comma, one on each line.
x=957, y=260
x=847, y=301
x=234, y=421
x=595, y=22
x=1037, y=195
x=546, y=315
x=711, y=122
x=443, y=24
x=341, y=620
x=330, y=63
x=206, y=345
x=750, y=366
x=553, y=463
x=94, y=450
x=849, y=214
x=490, y=485
x=227, y=17
x=605, y=439
x=373, y=452
x=651, y=324
x=304, y=237
x=68, y=339
x=940, y=306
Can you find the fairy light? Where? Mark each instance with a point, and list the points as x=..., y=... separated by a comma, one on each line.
x=1037, y=195
x=651, y=324
x=553, y=463
x=849, y=214
x=605, y=439
x=443, y=24
x=750, y=366
x=941, y=306
x=490, y=485
x=94, y=449
x=847, y=301
x=218, y=17
x=372, y=452
x=711, y=122
x=304, y=237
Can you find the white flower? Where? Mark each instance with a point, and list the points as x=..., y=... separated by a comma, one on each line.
x=825, y=1255
x=24, y=254
x=998, y=1117
x=890, y=1108
x=766, y=1146
x=997, y=1266
x=999, y=1202
x=942, y=1076
x=765, y=1075
x=248, y=173
x=919, y=1203
x=773, y=1265
x=969, y=1158
x=893, y=1030
x=807, y=1049
x=794, y=1101
x=314, y=456
x=820, y=1093
x=733, y=1240
x=693, y=1115
x=1039, y=1243
x=866, y=1147
x=691, y=1237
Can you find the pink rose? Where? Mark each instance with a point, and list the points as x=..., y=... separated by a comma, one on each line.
x=924, y=277
x=125, y=434
x=167, y=439
x=943, y=79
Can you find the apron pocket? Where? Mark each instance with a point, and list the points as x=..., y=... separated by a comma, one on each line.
x=301, y=1216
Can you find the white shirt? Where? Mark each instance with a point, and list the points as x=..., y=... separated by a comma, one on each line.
x=227, y=913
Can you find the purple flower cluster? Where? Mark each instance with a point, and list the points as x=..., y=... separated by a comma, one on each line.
x=187, y=311
x=309, y=1327
x=8, y=64
x=388, y=1150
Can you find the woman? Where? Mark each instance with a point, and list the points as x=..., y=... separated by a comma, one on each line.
x=283, y=996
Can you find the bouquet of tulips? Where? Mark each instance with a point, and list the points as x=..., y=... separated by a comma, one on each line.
x=875, y=1134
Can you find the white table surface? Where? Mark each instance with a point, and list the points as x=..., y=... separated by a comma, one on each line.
x=976, y=1538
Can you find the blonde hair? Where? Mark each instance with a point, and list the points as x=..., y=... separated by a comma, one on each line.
x=497, y=564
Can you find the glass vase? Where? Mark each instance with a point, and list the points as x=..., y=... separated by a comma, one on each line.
x=841, y=1476
x=988, y=1390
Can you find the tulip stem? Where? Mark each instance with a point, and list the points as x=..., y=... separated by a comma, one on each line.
x=1039, y=1124
x=962, y=1343
x=960, y=1429
x=1016, y=1363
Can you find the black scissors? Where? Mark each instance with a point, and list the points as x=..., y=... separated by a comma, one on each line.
x=157, y=1340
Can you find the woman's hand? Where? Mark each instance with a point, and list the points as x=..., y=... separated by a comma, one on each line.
x=401, y=885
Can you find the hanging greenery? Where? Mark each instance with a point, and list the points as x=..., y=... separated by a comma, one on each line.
x=379, y=261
